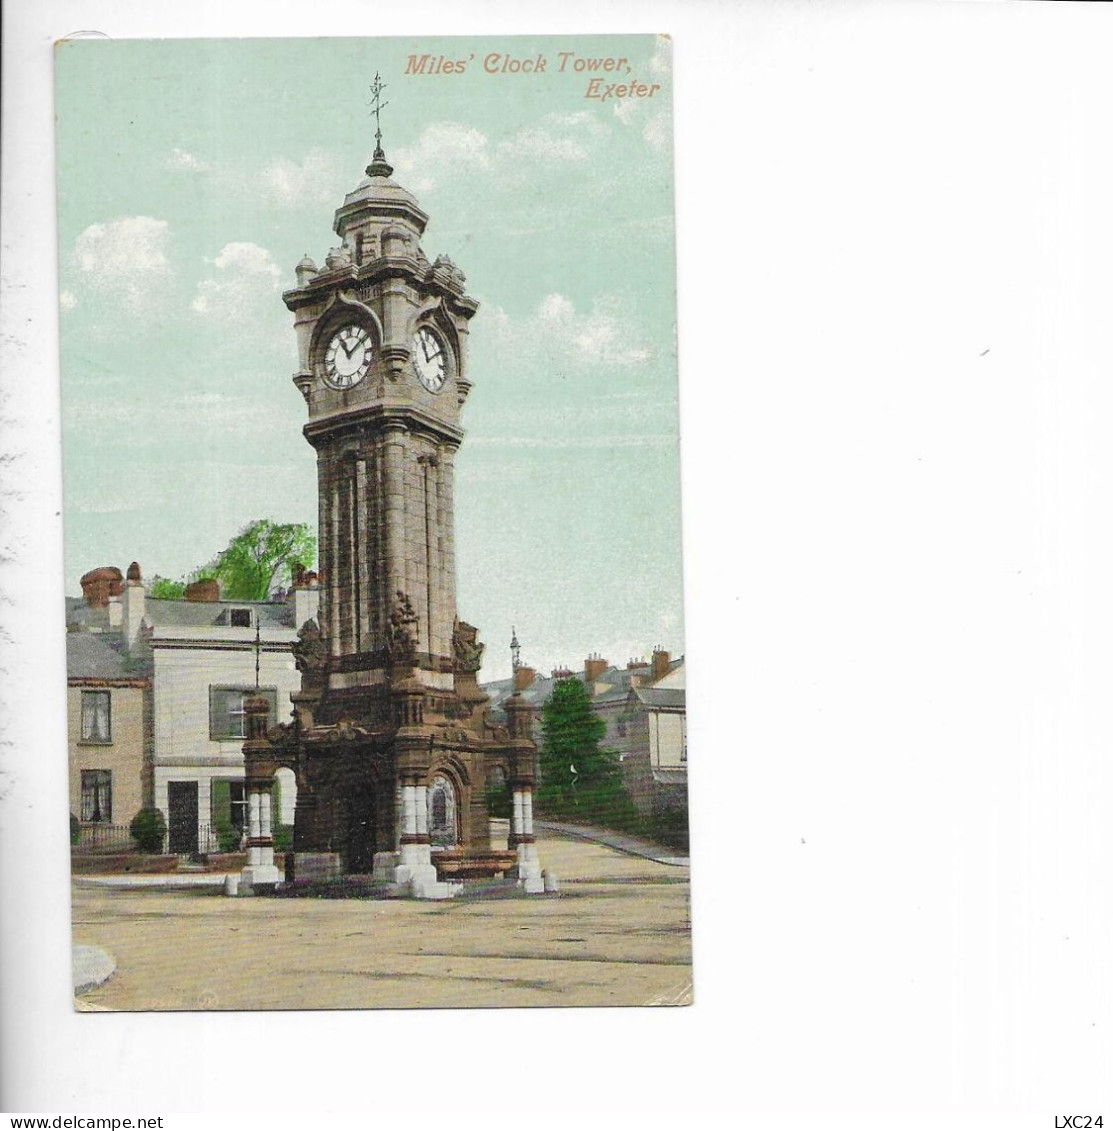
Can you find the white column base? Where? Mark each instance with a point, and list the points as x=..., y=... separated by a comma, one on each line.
x=529, y=869
x=259, y=874
x=382, y=869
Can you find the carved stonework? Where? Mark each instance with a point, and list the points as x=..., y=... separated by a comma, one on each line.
x=403, y=629
x=445, y=267
x=467, y=650
x=311, y=653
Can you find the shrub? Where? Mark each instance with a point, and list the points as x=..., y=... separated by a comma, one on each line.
x=75, y=829
x=148, y=829
x=283, y=838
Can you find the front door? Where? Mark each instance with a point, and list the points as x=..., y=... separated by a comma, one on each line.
x=359, y=826
x=182, y=800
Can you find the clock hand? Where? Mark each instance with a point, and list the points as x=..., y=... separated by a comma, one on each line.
x=347, y=352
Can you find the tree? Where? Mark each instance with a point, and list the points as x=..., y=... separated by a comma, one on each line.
x=148, y=829
x=164, y=589
x=261, y=555
x=579, y=778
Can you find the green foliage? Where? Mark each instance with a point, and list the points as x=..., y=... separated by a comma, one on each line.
x=163, y=589
x=500, y=800
x=261, y=556
x=148, y=830
x=283, y=838
x=580, y=780
x=75, y=829
x=227, y=835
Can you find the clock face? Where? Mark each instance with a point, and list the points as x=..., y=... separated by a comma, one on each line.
x=348, y=357
x=430, y=359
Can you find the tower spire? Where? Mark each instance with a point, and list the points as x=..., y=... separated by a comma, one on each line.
x=379, y=166
x=515, y=650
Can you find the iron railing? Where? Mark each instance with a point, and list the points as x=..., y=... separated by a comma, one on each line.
x=117, y=838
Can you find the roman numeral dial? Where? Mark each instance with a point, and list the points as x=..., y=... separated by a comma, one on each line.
x=430, y=359
x=348, y=357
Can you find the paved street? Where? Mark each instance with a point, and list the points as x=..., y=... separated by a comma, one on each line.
x=617, y=934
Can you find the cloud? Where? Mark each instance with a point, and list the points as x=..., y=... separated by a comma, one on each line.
x=657, y=131
x=561, y=334
x=316, y=180
x=442, y=148
x=661, y=62
x=125, y=259
x=246, y=276
x=180, y=160
x=449, y=149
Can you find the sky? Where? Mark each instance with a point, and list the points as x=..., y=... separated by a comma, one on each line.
x=194, y=174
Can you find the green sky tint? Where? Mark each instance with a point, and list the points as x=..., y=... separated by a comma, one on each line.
x=194, y=174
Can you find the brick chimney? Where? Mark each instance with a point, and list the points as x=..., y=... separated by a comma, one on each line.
x=207, y=589
x=305, y=596
x=594, y=667
x=639, y=672
x=660, y=663
x=561, y=673
x=523, y=677
x=98, y=585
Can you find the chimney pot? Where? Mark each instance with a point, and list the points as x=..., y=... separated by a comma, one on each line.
x=208, y=589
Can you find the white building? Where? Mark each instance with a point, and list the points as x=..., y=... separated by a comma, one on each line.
x=202, y=656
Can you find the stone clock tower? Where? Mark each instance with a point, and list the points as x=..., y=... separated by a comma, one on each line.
x=390, y=741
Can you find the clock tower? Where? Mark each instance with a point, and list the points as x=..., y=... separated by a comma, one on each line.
x=391, y=744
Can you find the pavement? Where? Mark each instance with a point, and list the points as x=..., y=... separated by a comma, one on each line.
x=92, y=967
x=160, y=880
x=617, y=933
x=631, y=845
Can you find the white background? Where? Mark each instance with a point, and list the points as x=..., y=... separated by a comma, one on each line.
x=894, y=271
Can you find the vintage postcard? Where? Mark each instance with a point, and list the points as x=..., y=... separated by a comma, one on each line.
x=372, y=509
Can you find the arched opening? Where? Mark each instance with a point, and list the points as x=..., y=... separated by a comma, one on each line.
x=442, y=812
x=357, y=827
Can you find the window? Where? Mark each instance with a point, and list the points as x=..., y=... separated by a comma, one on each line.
x=96, y=795
x=96, y=716
x=240, y=618
x=226, y=713
x=238, y=802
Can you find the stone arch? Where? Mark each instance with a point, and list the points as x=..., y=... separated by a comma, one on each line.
x=444, y=811
x=357, y=802
x=341, y=309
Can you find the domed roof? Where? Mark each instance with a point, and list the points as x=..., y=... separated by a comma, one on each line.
x=378, y=195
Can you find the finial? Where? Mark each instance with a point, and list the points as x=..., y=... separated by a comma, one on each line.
x=515, y=649
x=379, y=166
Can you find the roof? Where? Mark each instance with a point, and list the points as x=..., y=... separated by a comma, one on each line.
x=664, y=698
x=618, y=683
x=670, y=777
x=198, y=614
x=101, y=655
x=182, y=613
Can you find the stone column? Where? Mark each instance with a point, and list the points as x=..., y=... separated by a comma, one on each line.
x=394, y=452
x=416, y=865
x=260, y=870
x=529, y=863
x=446, y=584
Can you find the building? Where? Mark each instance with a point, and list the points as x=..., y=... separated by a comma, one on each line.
x=391, y=745
x=109, y=729
x=643, y=706
x=157, y=689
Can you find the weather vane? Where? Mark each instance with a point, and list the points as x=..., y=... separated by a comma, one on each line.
x=377, y=106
